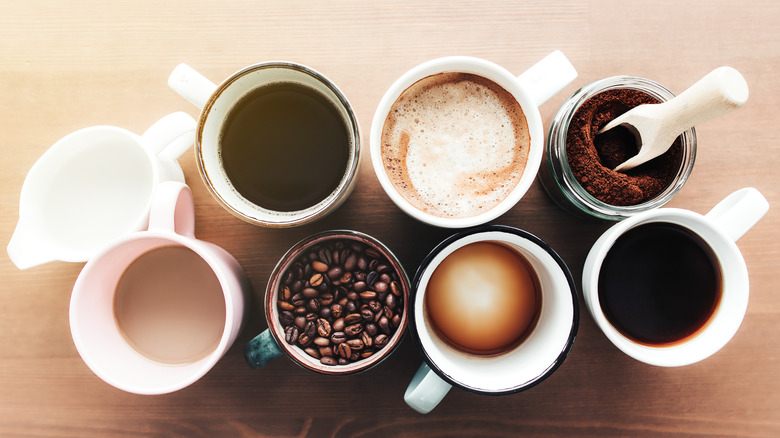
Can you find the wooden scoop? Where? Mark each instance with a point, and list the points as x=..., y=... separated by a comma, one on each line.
x=656, y=126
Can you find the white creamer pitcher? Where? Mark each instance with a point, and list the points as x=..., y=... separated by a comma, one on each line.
x=94, y=186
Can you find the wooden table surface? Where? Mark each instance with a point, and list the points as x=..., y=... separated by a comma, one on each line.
x=72, y=64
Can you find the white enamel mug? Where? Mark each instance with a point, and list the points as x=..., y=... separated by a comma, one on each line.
x=531, y=89
x=720, y=229
x=216, y=102
x=93, y=322
x=524, y=366
x=94, y=186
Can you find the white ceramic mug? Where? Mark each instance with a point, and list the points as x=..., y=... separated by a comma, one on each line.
x=94, y=186
x=520, y=368
x=93, y=322
x=216, y=103
x=720, y=229
x=531, y=89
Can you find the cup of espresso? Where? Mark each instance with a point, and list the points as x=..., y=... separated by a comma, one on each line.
x=669, y=287
x=277, y=143
x=457, y=141
x=493, y=310
x=155, y=311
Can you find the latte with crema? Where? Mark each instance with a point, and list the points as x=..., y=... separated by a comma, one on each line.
x=455, y=145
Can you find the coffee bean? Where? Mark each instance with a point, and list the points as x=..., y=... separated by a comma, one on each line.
x=390, y=301
x=305, y=340
x=338, y=325
x=371, y=278
x=381, y=341
x=291, y=334
x=311, y=316
x=286, y=318
x=323, y=327
x=385, y=278
x=346, y=278
x=284, y=305
x=325, y=351
x=368, y=295
x=319, y=266
x=367, y=339
x=372, y=266
x=366, y=354
x=300, y=321
x=312, y=352
x=286, y=294
x=314, y=305
x=338, y=337
x=367, y=314
x=350, y=263
x=328, y=360
x=326, y=299
x=343, y=361
x=344, y=350
x=372, y=329
x=297, y=300
x=300, y=310
x=395, y=289
x=316, y=279
x=310, y=329
x=353, y=330
x=310, y=292
x=384, y=325
x=288, y=278
x=325, y=312
x=297, y=286
x=353, y=296
x=362, y=263
x=374, y=306
x=355, y=344
x=396, y=321
x=353, y=318
x=359, y=286
x=336, y=310
x=351, y=307
x=371, y=252
x=325, y=255
x=335, y=273
x=322, y=342
x=380, y=287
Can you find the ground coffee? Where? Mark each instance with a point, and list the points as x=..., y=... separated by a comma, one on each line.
x=592, y=157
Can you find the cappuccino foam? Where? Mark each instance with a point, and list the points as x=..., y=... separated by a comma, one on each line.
x=455, y=144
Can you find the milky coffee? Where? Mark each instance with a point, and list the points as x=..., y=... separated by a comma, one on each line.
x=455, y=144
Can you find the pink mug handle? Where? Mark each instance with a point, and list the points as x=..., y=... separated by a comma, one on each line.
x=173, y=209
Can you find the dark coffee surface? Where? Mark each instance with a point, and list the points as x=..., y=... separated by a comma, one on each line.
x=284, y=146
x=659, y=284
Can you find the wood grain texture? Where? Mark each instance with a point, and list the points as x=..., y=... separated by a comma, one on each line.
x=71, y=64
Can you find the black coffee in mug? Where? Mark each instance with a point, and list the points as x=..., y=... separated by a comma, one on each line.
x=659, y=284
x=285, y=146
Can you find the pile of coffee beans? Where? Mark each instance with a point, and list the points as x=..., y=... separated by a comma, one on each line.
x=341, y=301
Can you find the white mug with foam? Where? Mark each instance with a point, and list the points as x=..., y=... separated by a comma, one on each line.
x=531, y=89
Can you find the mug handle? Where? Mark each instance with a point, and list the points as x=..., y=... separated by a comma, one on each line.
x=170, y=136
x=261, y=350
x=191, y=85
x=739, y=211
x=426, y=390
x=547, y=77
x=173, y=209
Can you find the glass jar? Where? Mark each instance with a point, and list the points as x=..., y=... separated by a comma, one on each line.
x=561, y=184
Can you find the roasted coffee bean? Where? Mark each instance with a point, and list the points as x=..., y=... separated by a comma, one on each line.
x=325, y=312
x=374, y=306
x=291, y=334
x=297, y=286
x=314, y=305
x=297, y=300
x=325, y=255
x=367, y=314
x=316, y=280
x=310, y=292
x=385, y=278
x=380, y=286
x=372, y=265
x=326, y=299
x=288, y=278
x=305, y=340
x=322, y=342
x=372, y=329
x=353, y=296
x=390, y=301
x=396, y=321
x=335, y=272
x=371, y=252
x=284, y=305
x=344, y=350
x=286, y=294
x=310, y=329
x=286, y=318
x=371, y=278
x=319, y=266
x=351, y=307
x=384, y=325
x=343, y=361
x=324, y=287
x=300, y=310
x=346, y=278
x=353, y=318
x=328, y=360
x=325, y=351
x=366, y=354
x=350, y=263
x=338, y=337
x=388, y=312
x=338, y=325
x=368, y=295
x=362, y=263
x=313, y=352
x=300, y=321
x=355, y=344
x=311, y=316
x=381, y=341
x=353, y=330
x=367, y=339
x=395, y=288
x=377, y=316
x=323, y=327
x=336, y=310
x=359, y=286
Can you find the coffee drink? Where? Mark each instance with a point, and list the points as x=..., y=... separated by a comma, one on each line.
x=659, y=284
x=169, y=306
x=455, y=144
x=341, y=302
x=484, y=299
x=285, y=146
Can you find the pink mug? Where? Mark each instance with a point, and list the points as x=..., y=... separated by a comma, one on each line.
x=125, y=322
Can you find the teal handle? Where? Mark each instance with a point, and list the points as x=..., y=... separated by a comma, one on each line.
x=261, y=350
